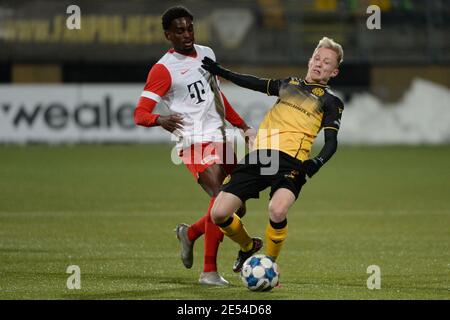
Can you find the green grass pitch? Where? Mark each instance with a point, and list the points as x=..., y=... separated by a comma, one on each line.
x=111, y=210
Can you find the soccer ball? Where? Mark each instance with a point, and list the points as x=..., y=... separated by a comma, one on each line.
x=260, y=273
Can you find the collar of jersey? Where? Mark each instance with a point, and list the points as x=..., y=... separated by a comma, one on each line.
x=314, y=84
x=193, y=55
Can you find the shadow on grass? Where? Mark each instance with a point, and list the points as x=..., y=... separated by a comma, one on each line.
x=162, y=288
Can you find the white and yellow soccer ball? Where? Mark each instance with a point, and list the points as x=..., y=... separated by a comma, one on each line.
x=260, y=273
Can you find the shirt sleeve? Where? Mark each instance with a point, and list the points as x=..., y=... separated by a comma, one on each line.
x=331, y=123
x=157, y=85
x=230, y=114
x=251, y=82
x=333, y=109
x=274, y=86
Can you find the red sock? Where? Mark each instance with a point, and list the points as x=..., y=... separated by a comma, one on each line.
x=213, y=237
x=198, y=228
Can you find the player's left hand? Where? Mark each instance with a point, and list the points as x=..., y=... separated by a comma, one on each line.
x=212, y=66
x=311, y=166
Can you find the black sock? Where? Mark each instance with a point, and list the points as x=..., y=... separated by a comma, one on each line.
x=278, y=225
x=226, y=223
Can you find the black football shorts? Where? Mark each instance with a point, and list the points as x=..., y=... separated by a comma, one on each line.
x=265, y=168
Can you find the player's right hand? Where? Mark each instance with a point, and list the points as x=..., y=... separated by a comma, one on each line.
x=171, y=122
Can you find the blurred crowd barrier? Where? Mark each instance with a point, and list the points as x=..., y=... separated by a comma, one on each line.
x=104, y=114
x=249, y=31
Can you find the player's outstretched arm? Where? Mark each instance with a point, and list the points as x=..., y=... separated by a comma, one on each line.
x=311, y=166
x=243, y=80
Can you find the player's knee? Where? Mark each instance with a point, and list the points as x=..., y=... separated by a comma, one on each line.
x=218, y=215
x=277, y=212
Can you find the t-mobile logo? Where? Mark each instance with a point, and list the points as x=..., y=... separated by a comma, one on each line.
x=197, y=89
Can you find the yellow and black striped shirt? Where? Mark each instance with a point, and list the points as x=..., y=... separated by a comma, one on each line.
x=301, y=111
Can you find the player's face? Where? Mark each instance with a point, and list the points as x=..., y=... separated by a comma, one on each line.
x=181, y=34
x=322, y=66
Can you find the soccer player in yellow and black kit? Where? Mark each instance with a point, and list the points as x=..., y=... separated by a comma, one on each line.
x=284, y=141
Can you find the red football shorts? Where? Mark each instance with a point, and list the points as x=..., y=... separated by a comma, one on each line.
x=199, y=156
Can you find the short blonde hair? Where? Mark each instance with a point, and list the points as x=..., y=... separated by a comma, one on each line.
x=331, y=44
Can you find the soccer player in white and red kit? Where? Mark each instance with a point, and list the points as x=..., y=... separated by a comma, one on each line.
x=178, y=80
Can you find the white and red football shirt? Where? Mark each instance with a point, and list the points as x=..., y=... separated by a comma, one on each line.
x=182, y=85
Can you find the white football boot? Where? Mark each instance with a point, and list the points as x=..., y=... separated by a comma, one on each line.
x=213, y=279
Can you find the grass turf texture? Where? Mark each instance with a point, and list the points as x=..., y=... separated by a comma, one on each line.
x=111, y=210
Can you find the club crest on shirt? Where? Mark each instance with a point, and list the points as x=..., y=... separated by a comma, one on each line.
x=318, y=92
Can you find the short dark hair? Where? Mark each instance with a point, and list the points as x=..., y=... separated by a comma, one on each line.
x=174, y=13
